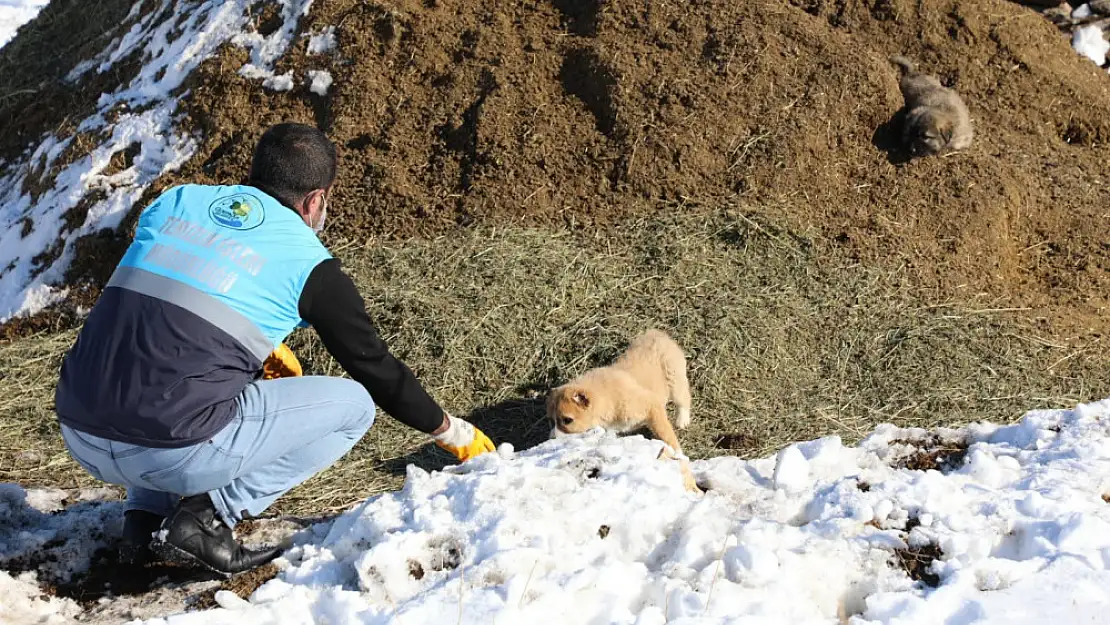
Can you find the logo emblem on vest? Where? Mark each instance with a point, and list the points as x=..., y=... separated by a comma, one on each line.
x=239, y=211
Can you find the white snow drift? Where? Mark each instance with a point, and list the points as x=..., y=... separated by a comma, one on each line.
x=594, y=529
x=16, y=13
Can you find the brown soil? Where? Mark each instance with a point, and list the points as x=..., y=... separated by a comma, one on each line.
x=108, y=578
x=242, y=585
x=915, y=561
x=577, y=113
x=932, y=454
x=733, y=441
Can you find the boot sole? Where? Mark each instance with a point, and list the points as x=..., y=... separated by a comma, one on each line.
x=173, y=553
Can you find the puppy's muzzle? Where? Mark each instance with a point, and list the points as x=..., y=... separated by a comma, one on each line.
x=562, y=422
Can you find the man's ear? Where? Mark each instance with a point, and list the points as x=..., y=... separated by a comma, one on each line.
x=311, y=204
x=302, y=207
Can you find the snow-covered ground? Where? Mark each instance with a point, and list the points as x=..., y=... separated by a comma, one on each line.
x=595, y=529
x=15, y=13
x=144, y=115
x=34, y=528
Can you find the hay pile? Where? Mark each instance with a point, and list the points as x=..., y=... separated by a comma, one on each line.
x=782, y=344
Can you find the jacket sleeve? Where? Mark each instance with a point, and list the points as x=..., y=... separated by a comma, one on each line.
x=332, y=305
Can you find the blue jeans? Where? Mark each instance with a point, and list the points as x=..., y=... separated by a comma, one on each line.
x=284, y=432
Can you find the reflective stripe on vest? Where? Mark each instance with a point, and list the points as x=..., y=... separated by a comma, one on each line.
x=197, y=302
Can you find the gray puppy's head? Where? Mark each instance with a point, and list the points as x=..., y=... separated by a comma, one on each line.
x=928, y=131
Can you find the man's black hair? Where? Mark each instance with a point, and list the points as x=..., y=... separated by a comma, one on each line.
x=291, y=160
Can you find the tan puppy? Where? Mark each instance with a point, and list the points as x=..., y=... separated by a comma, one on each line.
x=937, y=120
x=630, y=393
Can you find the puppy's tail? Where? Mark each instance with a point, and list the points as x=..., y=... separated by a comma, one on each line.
x=904, y=63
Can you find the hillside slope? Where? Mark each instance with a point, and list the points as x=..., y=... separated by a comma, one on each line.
x=571, y=114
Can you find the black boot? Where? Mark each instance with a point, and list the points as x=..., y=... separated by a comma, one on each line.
x=138, y=529
x=194, y=533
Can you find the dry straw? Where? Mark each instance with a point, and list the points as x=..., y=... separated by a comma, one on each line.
x=784, y=344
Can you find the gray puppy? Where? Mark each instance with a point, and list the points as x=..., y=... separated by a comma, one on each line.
x=937, y=120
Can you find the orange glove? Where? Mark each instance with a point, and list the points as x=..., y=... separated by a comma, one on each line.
x=463, y=439
x=281, y=364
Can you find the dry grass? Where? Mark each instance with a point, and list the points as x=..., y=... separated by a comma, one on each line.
x=30, y=443
x=783, y=343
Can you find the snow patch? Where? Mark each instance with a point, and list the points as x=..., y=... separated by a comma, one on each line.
x=37, y=534
x=266, y=50
x=791, y=469
x=282, y=82
x=593, y=528
x=320, y=81
x=1088, y=41
x=322, y=42
x=22, y=601
x=16, y=13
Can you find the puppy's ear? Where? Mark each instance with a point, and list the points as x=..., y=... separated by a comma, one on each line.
x=944, y=130
x=581, y=399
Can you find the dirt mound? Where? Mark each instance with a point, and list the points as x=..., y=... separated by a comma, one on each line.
x=578, y=113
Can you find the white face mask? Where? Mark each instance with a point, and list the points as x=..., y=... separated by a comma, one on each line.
x=319, y=225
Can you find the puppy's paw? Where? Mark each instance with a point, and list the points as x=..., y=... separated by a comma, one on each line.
x=682, y=418
x=689, y=482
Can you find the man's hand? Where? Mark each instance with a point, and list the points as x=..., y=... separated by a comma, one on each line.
x=281, y=364
x=463, y=439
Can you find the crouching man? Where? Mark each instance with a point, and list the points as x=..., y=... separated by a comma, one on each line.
x=163, y=391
